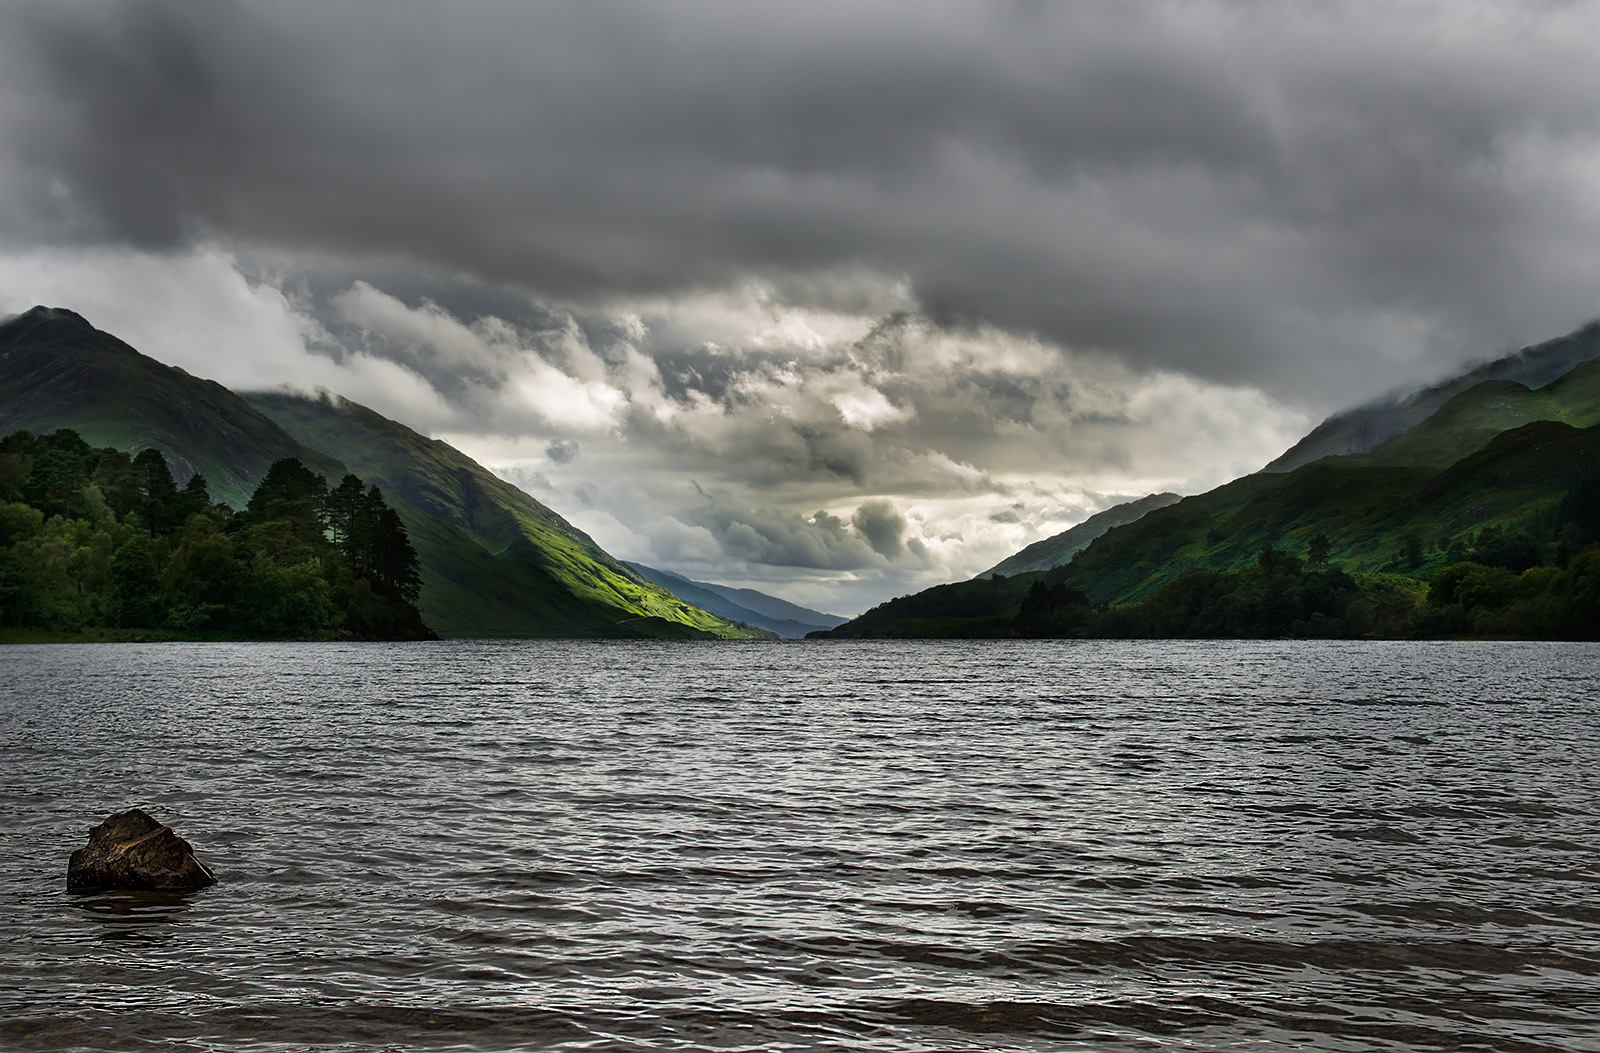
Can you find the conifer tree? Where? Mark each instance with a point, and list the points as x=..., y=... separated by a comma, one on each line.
x=155, y=494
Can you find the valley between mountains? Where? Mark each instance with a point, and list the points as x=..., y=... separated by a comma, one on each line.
x=1470, y=508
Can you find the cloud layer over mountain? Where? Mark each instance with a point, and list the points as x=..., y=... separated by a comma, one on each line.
x=819, y=294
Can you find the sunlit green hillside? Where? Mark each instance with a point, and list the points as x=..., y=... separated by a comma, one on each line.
x=518, y=546
x=1375, y=518
x=1364, y=428
x=1467, y=422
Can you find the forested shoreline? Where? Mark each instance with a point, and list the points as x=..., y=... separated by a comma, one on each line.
x=1537, y=581
x=1284, y=596
x=97, y=543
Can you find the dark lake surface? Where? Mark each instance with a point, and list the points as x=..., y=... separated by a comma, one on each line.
x=947, y=846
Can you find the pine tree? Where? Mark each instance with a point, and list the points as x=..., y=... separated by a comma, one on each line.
x=285, y=513
x=155, y=494
x=344, y=511
x=397, y=573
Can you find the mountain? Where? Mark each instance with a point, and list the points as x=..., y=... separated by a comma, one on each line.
x=1060, y=548
x=1365, y=428
x=1470, y=420
x=789, y=620
x=58, y=371
x=1369, y=514
x=981, y=607
x=987, y=604
x=1496, y=463
x=495, y=562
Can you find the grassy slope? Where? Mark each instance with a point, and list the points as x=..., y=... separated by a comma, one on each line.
x=1365, y=428
x=566, y=580
x=467, y=591
x=1468, y=422
x=1364, y=511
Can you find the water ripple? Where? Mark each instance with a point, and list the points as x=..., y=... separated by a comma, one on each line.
x=613, y=846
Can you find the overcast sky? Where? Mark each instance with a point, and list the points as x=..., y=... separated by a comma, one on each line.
x=837, y=300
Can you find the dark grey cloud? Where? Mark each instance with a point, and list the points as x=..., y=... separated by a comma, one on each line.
x=954, y=274
x=564, y=452
x=1318, y=199
x=882, y=525
x=821, y=541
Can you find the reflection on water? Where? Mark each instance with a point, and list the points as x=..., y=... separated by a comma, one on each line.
x=890, y=847
x=130, y=914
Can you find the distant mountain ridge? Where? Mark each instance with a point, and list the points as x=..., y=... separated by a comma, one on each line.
x=1053, y=551
x=495, y=562
x=1365, y=428
x=750, y=606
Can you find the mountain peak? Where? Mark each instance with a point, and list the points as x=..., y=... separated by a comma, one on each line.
x=46, y=323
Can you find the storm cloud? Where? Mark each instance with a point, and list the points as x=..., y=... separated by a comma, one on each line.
x=1236, y=190
x=972, y=269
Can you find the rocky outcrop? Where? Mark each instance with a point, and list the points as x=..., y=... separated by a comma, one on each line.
x=130, y=850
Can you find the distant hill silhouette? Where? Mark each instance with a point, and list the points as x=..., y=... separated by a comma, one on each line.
x=750, y=606
x=1053, y=551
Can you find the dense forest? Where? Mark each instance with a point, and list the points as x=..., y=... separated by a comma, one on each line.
x=95, y=539
x=1494, y=583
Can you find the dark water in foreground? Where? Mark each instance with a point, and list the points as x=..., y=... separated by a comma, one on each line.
x=1097, y=846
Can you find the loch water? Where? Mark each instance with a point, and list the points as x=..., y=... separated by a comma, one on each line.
x=812, y=845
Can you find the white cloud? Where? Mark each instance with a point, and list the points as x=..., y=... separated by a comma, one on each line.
x=865, y=407
x=549, y=381
x=200, y=312
x=427, y=328
x=931, y=453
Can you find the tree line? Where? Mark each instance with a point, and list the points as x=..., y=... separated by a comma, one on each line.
x=95, y=538
x=1541, y=583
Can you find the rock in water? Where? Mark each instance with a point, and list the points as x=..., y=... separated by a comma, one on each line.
x=130, y=850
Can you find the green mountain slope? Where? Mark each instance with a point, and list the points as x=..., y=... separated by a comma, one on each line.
x=981, y=607
x=1365, y=428
x=1497, y=454
x=1060, y=548
x=1367, y=513
x=1468, y=421
x=494, y=561
x=58, y=371
x=543, y=552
